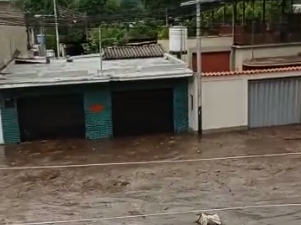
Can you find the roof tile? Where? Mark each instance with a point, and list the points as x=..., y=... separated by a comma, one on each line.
x=250, y=72
x=133, y=51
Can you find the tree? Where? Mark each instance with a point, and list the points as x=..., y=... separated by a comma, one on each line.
x=45, y=6
x=93, y=7
x=159, y=4
x=130, y=4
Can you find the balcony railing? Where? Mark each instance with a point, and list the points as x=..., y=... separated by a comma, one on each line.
x=268, y=33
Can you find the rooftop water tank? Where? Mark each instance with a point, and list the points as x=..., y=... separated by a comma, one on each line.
x=178, y=39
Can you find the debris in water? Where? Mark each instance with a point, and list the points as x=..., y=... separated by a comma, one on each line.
x=204, y=219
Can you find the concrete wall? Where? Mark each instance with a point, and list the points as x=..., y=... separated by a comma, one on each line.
x=242, y=53
x=12, y=37
x=224, y=103
x=238, y=53
x=207, y=43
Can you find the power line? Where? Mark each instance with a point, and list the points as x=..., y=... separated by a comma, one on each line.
x=92, y=21
x=152, y=162
x=107, y=17
x=121, y=13
x=162, y=214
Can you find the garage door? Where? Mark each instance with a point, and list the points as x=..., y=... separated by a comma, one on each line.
x=142, y=112
x=51, y=117
x=274, y=102
x=213, y=61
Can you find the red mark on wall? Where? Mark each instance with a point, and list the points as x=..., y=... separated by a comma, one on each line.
x=96, y=108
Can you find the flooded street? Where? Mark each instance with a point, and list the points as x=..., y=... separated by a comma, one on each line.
x=112, y=191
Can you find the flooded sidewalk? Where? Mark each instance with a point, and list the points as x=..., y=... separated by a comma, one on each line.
x=158, y=147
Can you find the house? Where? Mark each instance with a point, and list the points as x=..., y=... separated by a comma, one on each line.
x=240, y=39
x=139, y=90
x=14, y=38
x=254, y=81
x=239, y=100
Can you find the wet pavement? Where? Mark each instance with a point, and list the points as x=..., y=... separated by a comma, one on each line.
x=95, y=192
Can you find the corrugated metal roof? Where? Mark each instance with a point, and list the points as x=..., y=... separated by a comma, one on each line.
x=133, y=52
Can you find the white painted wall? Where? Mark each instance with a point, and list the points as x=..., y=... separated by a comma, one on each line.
x=193, y=102
x=225, y=99
x=243, y=53
x=1, y=130
x=225, y=102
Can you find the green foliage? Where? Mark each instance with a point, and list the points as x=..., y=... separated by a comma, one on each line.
x=143, y=30
x=163, y=32
x=44, y=6
x=144, y=14
x=98, y=6
x=130, y=4
x=156, y=4
x=50, y=41
x=119, y=35
x=109, y=37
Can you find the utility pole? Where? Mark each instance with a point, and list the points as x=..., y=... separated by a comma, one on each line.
x=166, y=18
x=56, y=29
x=100, y=47
x=86, y=25
x=199, y=62
x=197, y=79
x=198, y=46
x=253, y=29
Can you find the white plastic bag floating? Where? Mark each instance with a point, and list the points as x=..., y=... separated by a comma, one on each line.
x=204, y=219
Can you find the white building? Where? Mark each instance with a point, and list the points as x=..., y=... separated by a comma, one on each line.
x=251, y=99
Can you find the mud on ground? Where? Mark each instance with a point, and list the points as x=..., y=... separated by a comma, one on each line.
x=63, y=194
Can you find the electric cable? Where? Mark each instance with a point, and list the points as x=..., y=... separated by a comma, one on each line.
x=212, y=210
x=152, y=162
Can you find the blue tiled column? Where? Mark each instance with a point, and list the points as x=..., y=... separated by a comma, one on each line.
x=180, y=105
x=98, y=124
x=10, y=125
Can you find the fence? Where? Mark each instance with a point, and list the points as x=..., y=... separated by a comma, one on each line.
x=256, y=33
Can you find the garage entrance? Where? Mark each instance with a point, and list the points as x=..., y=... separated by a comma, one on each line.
x=274, y=102
x=142, y=112
x=51, y=117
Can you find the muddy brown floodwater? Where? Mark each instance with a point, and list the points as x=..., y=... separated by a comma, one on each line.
x=95, y=192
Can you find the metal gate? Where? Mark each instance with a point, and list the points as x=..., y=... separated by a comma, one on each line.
x=51, y=117
x=274, y=102
x=137, y=112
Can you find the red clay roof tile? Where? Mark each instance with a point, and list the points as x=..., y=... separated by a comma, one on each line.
x=250, y=72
